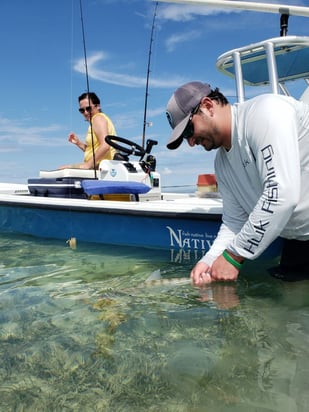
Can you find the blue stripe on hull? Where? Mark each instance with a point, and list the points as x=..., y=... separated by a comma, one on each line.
x=118, y=229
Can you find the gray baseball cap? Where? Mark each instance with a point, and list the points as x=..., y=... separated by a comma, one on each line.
x=180, y=107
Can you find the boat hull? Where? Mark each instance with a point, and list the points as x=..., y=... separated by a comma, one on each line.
x=152, y=224
x=184, y=223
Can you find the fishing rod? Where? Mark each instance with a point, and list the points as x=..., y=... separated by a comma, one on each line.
x=87, y=84
x=148, y=75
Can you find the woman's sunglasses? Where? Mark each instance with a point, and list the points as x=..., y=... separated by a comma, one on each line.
x=87, y=109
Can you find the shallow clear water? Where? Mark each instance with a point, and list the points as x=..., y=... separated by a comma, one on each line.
x=81, y=330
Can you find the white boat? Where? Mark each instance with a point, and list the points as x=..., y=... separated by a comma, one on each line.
x=122, y=203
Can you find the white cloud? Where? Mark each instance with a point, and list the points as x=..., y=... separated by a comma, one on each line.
x=178, y=39
x=15, y=132
x=183, y=12
x=166, y=171
x=121, y=79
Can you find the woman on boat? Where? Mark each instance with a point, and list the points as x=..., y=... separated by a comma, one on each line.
x=262, y=168
x=95, y=148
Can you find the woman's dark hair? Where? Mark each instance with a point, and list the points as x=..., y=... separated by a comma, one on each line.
x=91, y=96
x=217, y=95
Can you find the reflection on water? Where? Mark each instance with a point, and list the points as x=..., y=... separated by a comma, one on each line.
x=82, y=330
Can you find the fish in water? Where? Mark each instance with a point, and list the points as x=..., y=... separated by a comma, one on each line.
x=156, y=279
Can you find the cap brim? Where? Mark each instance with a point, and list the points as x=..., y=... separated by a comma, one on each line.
x=175, y=139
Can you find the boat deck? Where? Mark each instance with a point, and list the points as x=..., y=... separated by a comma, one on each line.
x=171, y=203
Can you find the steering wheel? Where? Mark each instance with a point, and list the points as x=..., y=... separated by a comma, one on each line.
x=134, y=149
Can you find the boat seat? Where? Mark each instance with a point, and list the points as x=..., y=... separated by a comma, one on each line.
x=108, y=187
x=67, y=173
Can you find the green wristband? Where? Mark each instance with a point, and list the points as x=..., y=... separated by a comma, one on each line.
x=232, y=261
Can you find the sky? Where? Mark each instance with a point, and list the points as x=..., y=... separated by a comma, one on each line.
x=44, y=59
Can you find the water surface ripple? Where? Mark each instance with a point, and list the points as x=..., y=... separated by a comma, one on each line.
x=81, y=330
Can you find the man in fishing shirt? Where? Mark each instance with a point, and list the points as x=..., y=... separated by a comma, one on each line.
x=262, y=168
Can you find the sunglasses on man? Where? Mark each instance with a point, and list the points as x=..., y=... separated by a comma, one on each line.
x=189, y=129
